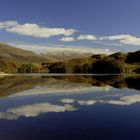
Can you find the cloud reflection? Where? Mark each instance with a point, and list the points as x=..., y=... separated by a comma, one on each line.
x=87, y=102
x=39, y=108
x=8, y=116
x=34, y=110
x=67, y=101
x=126, y=100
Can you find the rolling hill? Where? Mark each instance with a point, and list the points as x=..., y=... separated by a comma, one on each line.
x=11, y=58
x=69, y=61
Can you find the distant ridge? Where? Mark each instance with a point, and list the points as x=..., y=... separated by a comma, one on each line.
x=10, y=53
x=69, y=61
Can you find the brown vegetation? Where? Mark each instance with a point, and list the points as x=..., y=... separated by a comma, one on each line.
x=13, y=59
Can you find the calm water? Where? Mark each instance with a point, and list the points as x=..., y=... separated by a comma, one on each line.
x=70, y=107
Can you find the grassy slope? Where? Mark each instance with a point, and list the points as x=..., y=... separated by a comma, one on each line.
x=99, y=63
x=11, y=57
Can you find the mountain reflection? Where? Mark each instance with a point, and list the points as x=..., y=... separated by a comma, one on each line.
x=11, y=85
x=33, y=96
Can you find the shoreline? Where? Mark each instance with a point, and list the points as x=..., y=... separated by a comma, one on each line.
x=63, y=74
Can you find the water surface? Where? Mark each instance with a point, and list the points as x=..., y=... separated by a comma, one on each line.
x=84, y=107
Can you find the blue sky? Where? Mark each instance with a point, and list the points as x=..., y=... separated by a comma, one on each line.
x=97, y=24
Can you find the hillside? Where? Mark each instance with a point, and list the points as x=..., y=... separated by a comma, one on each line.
x=8, y=52
x=64, y=54
x=11, y=58
x=100, y=64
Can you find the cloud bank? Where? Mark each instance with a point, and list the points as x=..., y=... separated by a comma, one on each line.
x=87, y=37
x=124, y=39
x=38, y=31
x=67, y=39
x=34, y=30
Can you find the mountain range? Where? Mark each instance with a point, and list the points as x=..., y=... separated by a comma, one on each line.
x=69, y=60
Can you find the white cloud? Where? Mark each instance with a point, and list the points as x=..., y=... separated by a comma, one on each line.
x=131, y=41
x=115, y=37
x=124, y=39
x=67, y=39
x=39, y=108
x=87, y=37
x=8, y=24
x=37, y=31
x=34, y=30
